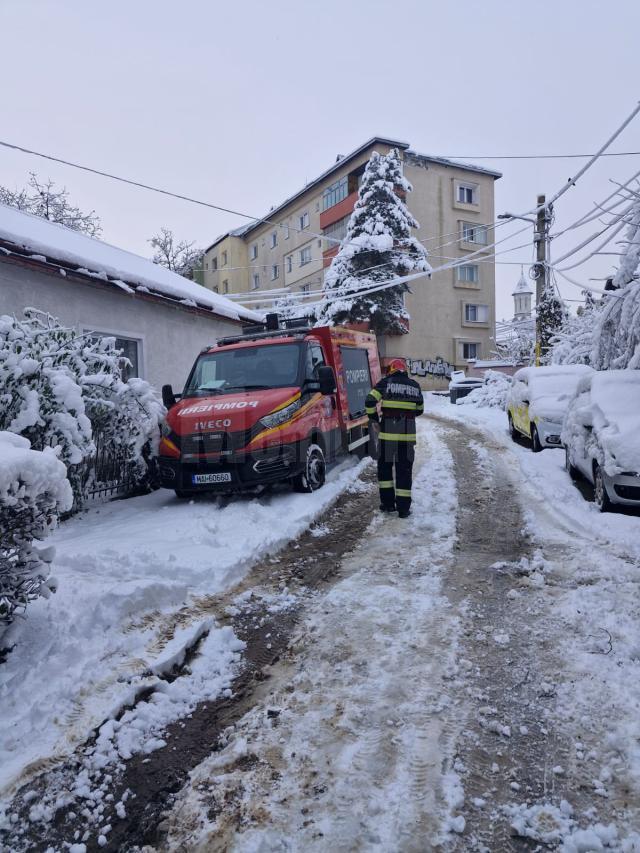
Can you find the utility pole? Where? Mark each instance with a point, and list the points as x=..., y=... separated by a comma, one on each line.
x=541, y=270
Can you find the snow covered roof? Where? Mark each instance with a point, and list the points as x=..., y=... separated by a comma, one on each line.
x=242, y=230
x=523, y=285
x=48, y=242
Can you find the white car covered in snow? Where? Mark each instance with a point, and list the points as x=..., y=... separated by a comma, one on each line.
x=601, y=435
x=538, y=400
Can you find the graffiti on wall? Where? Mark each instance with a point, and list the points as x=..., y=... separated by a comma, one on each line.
x=430, y=367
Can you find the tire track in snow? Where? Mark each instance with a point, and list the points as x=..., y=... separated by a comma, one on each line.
x=351, y=757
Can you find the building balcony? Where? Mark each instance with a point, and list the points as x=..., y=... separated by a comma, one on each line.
x=338, y=211
x=329, y=254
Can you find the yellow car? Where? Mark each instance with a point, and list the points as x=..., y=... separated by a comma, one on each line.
x=538, y=399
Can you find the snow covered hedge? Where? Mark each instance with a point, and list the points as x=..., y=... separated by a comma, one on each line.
x=493, y=393
x=64, y=390
x=33, y=490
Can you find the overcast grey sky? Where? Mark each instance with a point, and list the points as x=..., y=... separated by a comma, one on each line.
x=240, y=103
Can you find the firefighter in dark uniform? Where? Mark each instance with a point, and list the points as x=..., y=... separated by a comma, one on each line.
x=400, y=399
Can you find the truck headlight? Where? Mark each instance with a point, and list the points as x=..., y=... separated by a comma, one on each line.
x=282, y=415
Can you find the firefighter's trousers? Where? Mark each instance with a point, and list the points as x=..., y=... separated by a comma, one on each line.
x=398, y=455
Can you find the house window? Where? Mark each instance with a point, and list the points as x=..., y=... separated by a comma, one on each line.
x=476, y=313
x=289, y=262
x=305, y=256
x=303, y=221
x=305, y=288
x=286, y=232
x=255, y=284
x=469, y=273
x=215, y=289
x=470, y=351
x=335, y=193
x=223, y=259
x=275, y=272
x=254, y=251
x=472, y=233
x=274, y=239
x=214, y=263
x=467, y=194
x=129, y=349
x=225, y=286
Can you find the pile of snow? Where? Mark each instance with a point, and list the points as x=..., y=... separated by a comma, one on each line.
x=131, y=575
x=548, y=389
x=557, y=826
x=492, y=393
x=603, y=420
x=33, y=490
x=108, y=263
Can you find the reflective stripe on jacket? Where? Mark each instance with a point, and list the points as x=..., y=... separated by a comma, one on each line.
x=400, y=398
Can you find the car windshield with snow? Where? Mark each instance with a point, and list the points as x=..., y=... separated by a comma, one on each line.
x=601, y=435
x=538, y=400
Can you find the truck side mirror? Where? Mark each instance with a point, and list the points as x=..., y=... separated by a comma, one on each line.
x=168, y=397
x=326, y=379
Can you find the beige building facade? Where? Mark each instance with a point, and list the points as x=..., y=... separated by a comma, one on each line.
x=452, y=312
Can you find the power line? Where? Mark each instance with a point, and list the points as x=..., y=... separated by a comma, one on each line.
x=535, y=156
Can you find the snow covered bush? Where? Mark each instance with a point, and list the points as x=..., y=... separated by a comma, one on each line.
x=573, y=342
x=492, y=394
x=33, y=490
x=63, y=390
x=377, y=248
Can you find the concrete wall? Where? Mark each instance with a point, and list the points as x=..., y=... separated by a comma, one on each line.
x=170, y=337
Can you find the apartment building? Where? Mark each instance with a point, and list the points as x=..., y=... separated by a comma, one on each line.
x=452, y=313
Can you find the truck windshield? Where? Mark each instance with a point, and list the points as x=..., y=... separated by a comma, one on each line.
x=248, y=368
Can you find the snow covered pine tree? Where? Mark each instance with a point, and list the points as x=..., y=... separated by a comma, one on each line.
x=551, y=314
x=377, y=248
x=574, y=342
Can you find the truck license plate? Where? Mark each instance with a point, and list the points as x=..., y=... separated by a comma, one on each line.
x=198, y=479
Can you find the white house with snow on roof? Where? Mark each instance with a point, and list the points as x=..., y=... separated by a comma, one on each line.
x=159, y=319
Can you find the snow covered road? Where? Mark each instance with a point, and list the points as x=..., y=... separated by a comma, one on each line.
x=465, y=681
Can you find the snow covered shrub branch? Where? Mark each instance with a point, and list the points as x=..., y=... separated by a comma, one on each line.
x=33, y=491
x=63, y=390
x=616, y=341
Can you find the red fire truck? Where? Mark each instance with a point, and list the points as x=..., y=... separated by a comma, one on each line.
x=270, y=404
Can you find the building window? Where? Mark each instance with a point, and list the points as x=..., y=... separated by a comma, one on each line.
x=470, y=351
x=225, y=286
x=467, y=194
x=476, y=313
x=305, y=256
x=469, y=273
x=223, y=259
x=254, y=251
x=305, y=288
x=335, y=193
x=286, y=232
x=289, y=262
x=215, y=289
x=275, y=272
x=274, y=239
x=472, y=233
x=303, y=221
x=337, y=230
x=255, y=281
x=214, y=264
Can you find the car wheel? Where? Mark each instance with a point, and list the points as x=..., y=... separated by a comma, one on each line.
x=600, y=490
x=513, y=432
x=314, y=473
x=535, y=439
x=571, y=470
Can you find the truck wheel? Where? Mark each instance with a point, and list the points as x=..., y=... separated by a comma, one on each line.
x=180, y=493
x=315, y=468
